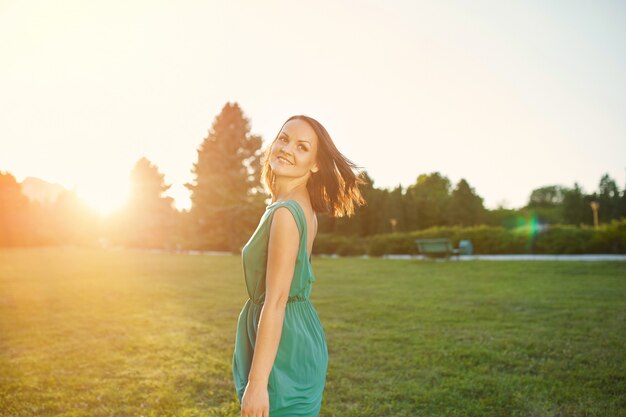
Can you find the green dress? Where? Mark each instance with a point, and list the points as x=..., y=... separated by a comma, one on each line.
x=296, y=381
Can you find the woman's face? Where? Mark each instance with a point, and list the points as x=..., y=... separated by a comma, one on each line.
x=297, y=143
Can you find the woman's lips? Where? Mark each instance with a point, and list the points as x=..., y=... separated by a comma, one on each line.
x=280, y=158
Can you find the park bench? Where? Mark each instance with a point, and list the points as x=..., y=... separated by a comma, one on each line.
x=442, y=247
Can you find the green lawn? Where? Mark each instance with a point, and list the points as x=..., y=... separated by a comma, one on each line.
x=127, y=333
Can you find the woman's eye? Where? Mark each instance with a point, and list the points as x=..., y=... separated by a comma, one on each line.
x=284, y=139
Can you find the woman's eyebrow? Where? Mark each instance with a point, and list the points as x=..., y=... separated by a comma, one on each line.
x=305, y=141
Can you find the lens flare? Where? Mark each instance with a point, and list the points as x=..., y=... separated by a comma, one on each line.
x=530, y=227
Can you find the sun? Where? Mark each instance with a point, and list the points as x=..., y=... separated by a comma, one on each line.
x=104, y=200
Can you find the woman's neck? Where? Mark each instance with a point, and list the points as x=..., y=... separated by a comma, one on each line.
x=289, y=190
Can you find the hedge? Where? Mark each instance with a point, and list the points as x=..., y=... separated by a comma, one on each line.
x=547, y=239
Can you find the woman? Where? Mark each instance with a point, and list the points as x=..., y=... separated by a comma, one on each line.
x=281, y=357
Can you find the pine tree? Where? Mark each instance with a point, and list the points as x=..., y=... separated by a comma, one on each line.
x=227, y=197
x=149, y=218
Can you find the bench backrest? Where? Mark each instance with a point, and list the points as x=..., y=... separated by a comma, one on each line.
x=434, y=245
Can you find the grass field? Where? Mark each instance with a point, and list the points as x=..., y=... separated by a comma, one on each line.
x=127, y=333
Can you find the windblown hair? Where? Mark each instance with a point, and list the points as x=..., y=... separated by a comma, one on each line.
x=334, y=188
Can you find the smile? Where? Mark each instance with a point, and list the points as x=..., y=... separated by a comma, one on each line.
x=280, y=158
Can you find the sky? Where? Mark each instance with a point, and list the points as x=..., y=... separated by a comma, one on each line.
x=511, y=96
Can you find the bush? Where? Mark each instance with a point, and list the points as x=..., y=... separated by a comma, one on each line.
x=565, y=239
x=328, y=244
x=612, y=236
x=549, y=239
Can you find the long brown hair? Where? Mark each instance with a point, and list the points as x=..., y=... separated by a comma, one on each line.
x=334, y=188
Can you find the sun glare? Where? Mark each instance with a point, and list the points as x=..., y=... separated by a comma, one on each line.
x=103, y=201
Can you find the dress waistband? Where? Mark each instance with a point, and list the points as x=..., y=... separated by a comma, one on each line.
x=295, y=298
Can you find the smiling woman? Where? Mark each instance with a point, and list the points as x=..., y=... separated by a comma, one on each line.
x=333, y=187
x=281, y=356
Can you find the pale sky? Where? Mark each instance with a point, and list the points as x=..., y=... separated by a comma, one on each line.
x=510, y=95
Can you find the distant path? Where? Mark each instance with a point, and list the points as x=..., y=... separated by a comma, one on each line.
x=588, y=257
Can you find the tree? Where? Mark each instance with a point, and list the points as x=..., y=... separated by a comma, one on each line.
x=576, y=209
x=466, y=207
x=149, y=219
x=431, y=195
x=622, y=203
x=546, y=203
x=366, y=215
x=395, y=210
x=14, y=209
x=609, y=199
x=226, y=194
x=71, y=221
x=550, y=196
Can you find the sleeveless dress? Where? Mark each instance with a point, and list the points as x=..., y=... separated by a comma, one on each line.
x=296, y=381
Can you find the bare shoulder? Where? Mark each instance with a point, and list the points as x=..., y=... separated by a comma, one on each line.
x=282, y=253
x=283, y=222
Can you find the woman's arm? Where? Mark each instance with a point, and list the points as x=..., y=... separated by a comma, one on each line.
x=281, y=260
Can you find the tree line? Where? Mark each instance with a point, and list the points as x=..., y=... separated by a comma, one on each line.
x=228, y=200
